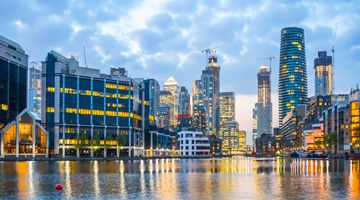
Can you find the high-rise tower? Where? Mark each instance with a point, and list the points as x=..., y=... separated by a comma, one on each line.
x=292, y=70
x=227, y=107
x=173, y=87
x=264, y=105
x=323, y=74
x=210, y=78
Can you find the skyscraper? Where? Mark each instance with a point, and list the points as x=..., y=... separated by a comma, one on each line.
x=323, y=74
x=34, y=97
x=227, y=108
x=167, y=100
x=210, y=78
x=152, y=95
x=184, y=101
x=13, y=80
x=198, y=109
x=292, y=71
x=173, y=87
x=264, y=106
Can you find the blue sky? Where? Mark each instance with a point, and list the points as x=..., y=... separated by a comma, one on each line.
x=156, y=39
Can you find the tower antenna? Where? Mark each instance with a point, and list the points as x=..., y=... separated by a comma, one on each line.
x=85, y=56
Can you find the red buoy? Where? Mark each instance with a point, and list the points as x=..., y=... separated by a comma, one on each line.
x=58, y=187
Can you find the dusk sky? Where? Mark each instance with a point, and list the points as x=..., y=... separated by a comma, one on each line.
x=156, y=39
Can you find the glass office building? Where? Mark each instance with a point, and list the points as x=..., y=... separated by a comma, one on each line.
x=13, y=80
x=292, y=71
x=88, y=113
x=323, y=67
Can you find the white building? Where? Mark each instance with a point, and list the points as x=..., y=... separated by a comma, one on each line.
x=192, y=143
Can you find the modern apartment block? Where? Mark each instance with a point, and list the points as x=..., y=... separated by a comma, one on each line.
x=193, y=144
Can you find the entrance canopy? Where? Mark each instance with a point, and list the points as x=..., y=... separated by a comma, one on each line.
x=24, y=136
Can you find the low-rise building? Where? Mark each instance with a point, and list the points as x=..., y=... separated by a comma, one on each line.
x=291, y=137
x=265, y=145
x=192, y=143
x=25, y=136
x=354, y=119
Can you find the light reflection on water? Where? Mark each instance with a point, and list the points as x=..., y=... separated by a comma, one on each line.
x=238, y=178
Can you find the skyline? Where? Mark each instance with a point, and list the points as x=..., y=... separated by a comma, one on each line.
x=146, y=51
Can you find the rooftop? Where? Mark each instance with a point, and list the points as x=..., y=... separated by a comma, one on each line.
x=10, y=43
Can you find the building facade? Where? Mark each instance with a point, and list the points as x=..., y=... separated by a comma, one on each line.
x=324, y=84
x=337, y=121
x=152, y=95
x=198, y=108
x=25, y=136
x=184, y=101
x=264, y=109
x=34, y=97
x=173, y=87
x=88, y=113
x=291, y=137
x=292, y=71
x=355, y=119
x=192, y=143
x=210, y=80
x=167, y=99
x=13, y=80
x=227, y=108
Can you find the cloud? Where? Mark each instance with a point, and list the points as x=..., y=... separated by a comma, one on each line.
x=156, y=39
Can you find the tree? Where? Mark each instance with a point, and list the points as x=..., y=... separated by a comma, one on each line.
x=121, y=140
x=96, y=139
x=318, y=144
x=81, y=140
x=108, y=139
x=330, y=140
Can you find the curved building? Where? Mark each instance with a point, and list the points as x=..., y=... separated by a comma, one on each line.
x=292, y=71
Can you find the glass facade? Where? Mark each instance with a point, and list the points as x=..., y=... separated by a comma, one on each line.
x=210, y=78
x=13, y=81
x=90, y=114
x=323, y=74
x=292, y=71
x=24, y=136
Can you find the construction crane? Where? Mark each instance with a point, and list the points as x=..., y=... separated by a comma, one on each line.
x=333, y=62
x=208, y=52
x=270, y=58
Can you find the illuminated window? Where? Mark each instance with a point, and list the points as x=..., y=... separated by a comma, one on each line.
x=3, y=107
x=50, y=109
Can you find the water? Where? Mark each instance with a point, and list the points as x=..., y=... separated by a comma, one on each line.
x=238, y=178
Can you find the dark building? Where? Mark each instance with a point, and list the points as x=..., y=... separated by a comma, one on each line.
x=292, y=71
x=291, y=137
x=152, y=100
x=324, y=84
x=210, y=82
x=184, y=101
x=13, y=80
x=88, y=113
x=266, y=145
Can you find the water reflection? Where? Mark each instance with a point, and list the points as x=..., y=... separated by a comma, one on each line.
x=183, y=179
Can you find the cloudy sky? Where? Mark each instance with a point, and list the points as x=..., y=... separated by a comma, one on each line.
x=159, y=38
